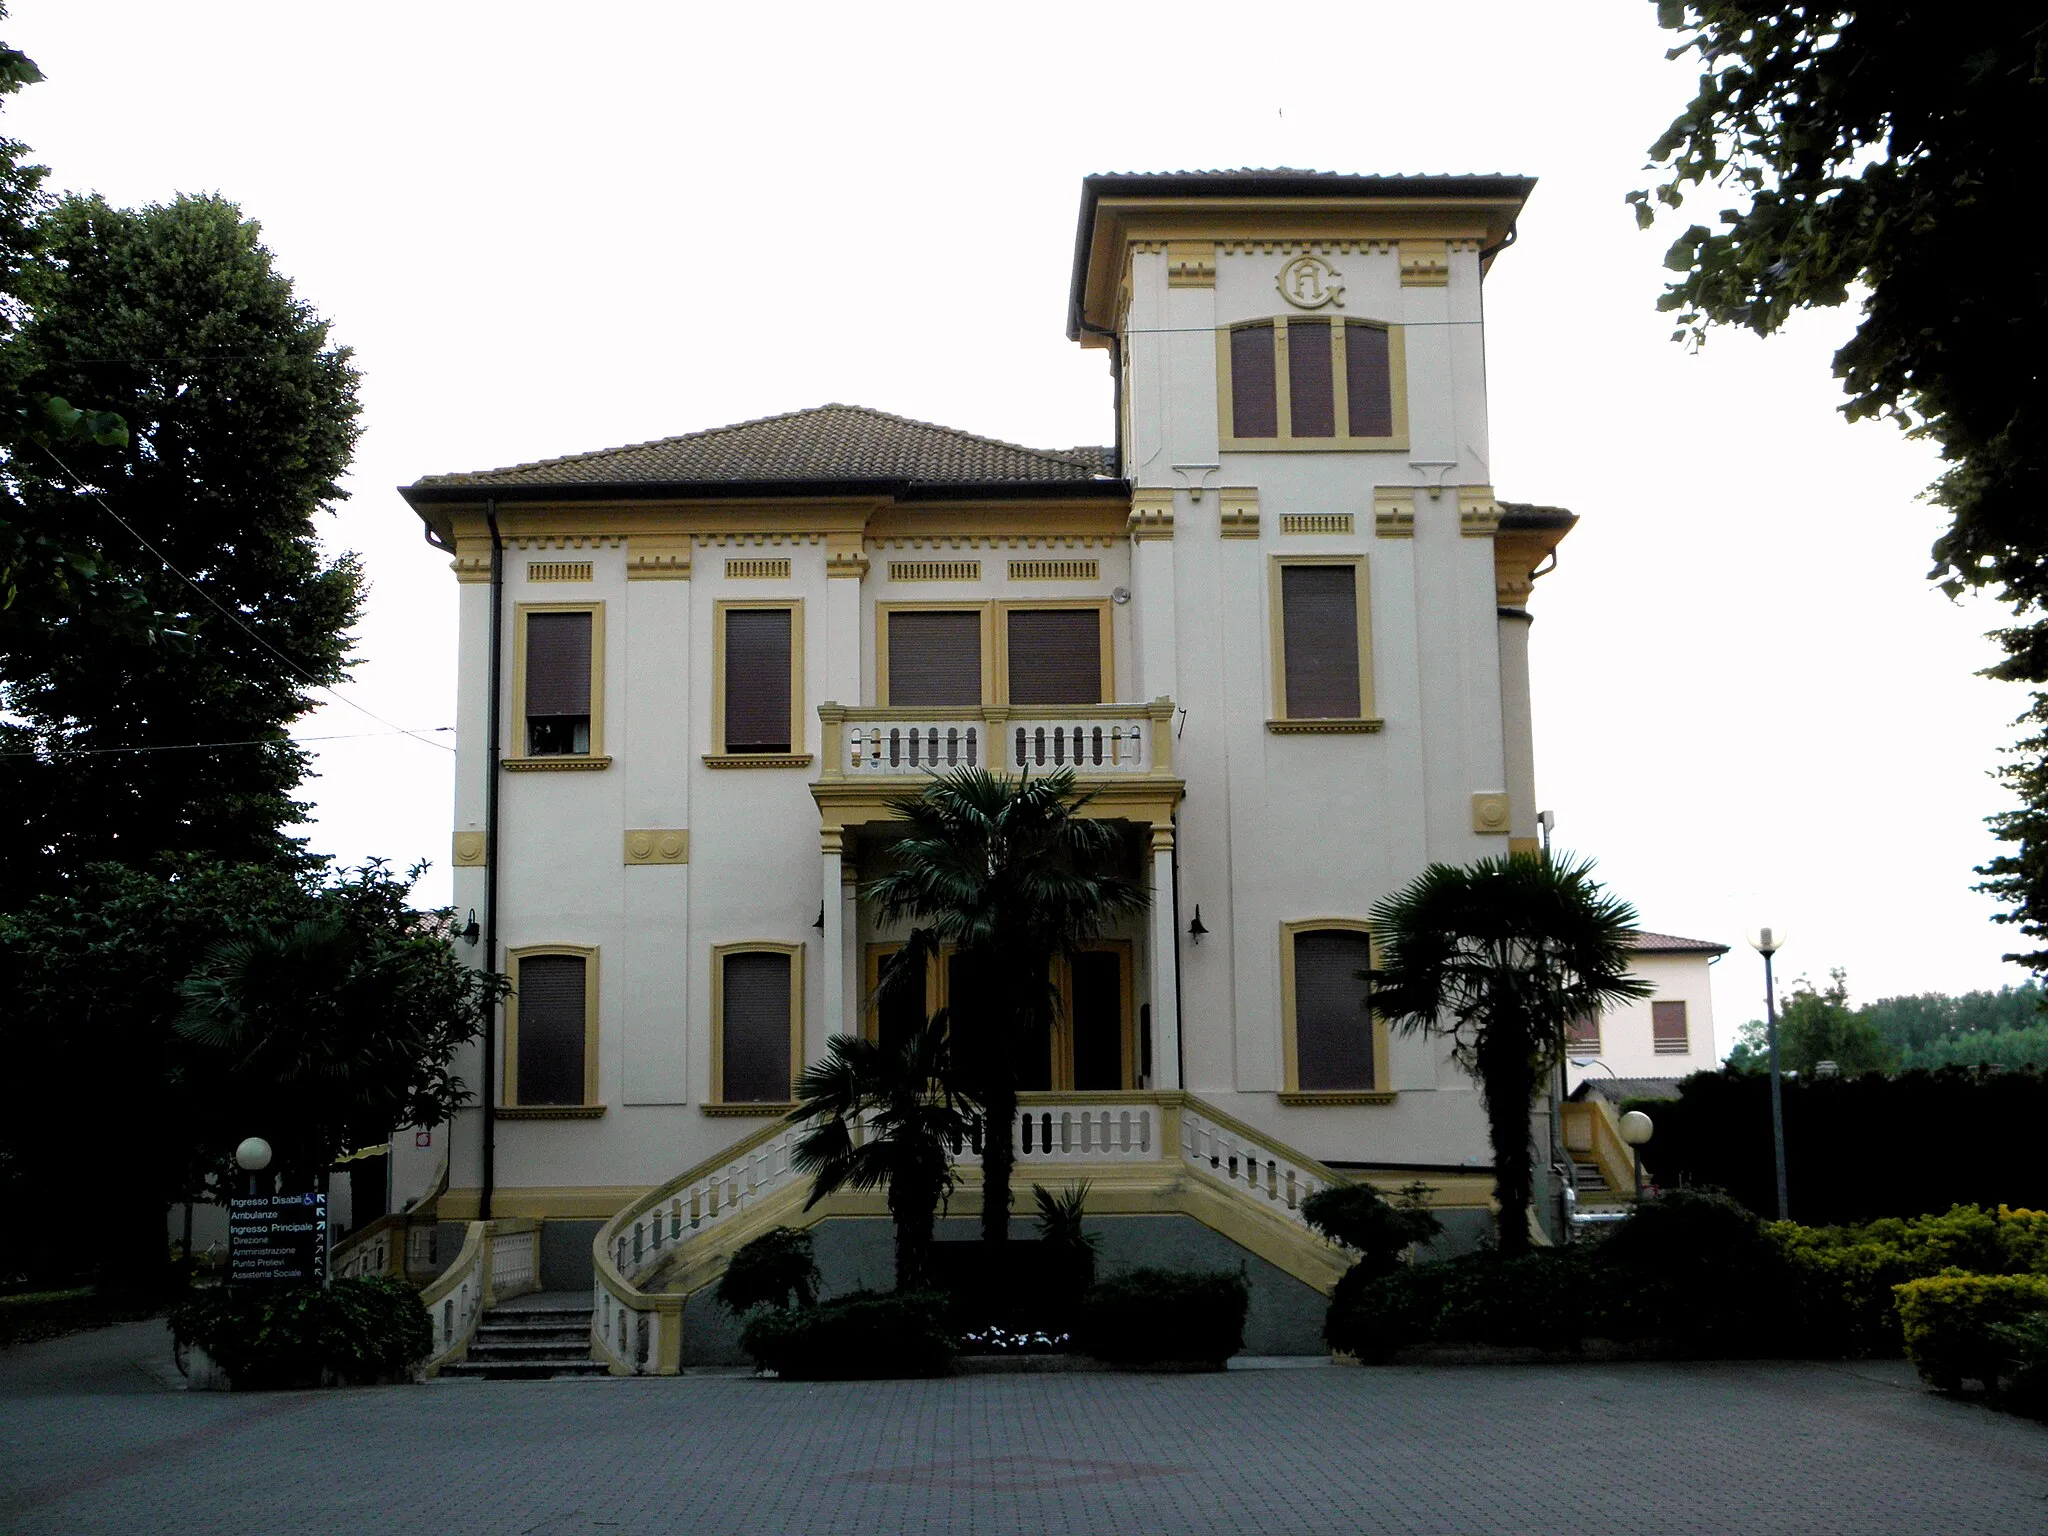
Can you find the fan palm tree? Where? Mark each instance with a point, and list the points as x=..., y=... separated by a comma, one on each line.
x=1501, y=955
x=1010, y=875
x=886, y=1115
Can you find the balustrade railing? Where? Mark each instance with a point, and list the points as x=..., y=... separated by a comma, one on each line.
x=497, y=1261
x=639, y=1332
x=1090, y=739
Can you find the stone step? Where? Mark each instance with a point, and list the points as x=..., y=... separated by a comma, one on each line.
x=523, y=1370
x=507, y=1328
x=529, y=1349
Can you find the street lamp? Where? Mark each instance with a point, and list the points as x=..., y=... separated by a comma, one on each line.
x=1766, y=942
x=252, y=1157
x=1636, y=1129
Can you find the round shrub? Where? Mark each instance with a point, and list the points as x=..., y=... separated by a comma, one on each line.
x=357, y=1331
x=1374, y=1316
x=1697, y=1270
x=860, y=1337
x=777, y=1269
x=1150, y=1316
x=1959, y=1327
x=1358, y=1216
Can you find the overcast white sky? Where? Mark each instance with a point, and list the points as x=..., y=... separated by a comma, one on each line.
x=553, y=228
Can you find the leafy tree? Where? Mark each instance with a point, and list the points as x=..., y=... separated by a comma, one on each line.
x=1816, y=1026
x=327, y=1034
x=91, y=992
x=44, y=578
x=241, y=419
x=1501, y=955
x=1013, y=877
x=1931, y=1029
x=886, y=1116
x=1863, y=148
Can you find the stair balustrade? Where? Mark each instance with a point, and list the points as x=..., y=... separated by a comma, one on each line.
x=639, y=1332
x=498, y=1260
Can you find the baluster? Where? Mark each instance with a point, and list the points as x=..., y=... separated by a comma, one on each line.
x=1290, y=1189
x=1059, y=746
x=953, y=747
x=916, y=742
x=895, y=747
x=1039, y=745
x=931, y=756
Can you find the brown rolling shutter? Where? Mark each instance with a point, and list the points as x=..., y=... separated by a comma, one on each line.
x=934, y=658
x=1668, y=1033
x=1583, y=1032
x=756, y=1030
x=1332, y=1029
x=1055, y=656
x=1368, y=381
x=1319, y=630
x=551, y=1024
x=1311, y=390
x=1254, y=399
x=557, y=665
x=757, y=681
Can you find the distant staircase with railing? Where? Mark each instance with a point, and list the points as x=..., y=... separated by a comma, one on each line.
x=1142, y=1153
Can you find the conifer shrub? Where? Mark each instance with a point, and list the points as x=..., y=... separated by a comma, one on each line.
x=1160, y=1316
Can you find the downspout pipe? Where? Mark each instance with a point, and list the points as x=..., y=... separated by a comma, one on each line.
x=1116, y=379
x=492, y=758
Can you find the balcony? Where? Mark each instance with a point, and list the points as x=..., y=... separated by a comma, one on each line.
x=1106, y=741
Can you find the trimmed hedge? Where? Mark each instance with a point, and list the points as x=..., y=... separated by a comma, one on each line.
x=858, y=1337
x=352, y=1332
x=1848, y=1161
x=1157, y=1316
x=1959, y=1327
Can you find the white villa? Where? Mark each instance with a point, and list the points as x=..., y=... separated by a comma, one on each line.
x=1279, y=626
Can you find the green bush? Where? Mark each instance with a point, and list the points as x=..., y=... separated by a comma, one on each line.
x=1957, y=1326
x=368, y=1329
x=1550, y=1299
x=858, y=1337
x=1696, y=1270
x=777, y=1269
x=1149, y=1316
x=1358, y=1216
x=1843, y=1278
x=2026, y=1387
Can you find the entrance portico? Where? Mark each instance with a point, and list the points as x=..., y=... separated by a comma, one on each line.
x=1122, y=758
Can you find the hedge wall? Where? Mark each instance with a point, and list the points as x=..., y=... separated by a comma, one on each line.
x=1858, y=1148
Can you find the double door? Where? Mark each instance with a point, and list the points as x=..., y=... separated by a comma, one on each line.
x=1092, y=1045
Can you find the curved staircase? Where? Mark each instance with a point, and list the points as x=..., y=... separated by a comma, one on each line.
x=541, y=1335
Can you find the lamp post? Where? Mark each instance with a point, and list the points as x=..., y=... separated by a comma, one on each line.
x=1636, y=1129
x=252, y=1157
x=1766, y=942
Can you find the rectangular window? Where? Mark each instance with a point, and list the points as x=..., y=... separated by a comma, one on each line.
x=1054, y=655
x=1333, y=1028
x=758, y=680
x=757, y=1026
x=1311, y=382
x=1368, y=380
x=550, y=1057
x=1582, y=1035
x=558, y=682
x=1320, y=642
x=1312, y=397
x=1254, y=395
x=934, y=656
x=1668, y=1030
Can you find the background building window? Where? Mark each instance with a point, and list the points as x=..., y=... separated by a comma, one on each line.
x=1319, y=642
x=1582, y=1035
x=757, y=1026
x=551, y=1052
x=1054, y=655
x=1668, y=1031
x=1332, y=1027
x=935, y=656
x=559, y=654
x=758, y=679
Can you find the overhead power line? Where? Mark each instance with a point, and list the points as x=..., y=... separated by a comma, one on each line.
x=228, y=613
x=202, y=746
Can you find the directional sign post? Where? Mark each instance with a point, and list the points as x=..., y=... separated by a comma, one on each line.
x=278, y=1239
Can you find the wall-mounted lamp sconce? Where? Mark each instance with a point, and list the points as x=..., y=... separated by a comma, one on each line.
x=469, y=933
x=1197, y=928
x=820, y=923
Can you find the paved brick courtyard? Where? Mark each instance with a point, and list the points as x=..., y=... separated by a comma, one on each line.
x=91, y=1441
